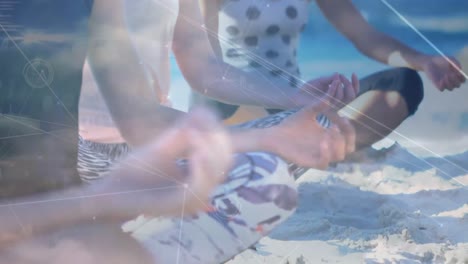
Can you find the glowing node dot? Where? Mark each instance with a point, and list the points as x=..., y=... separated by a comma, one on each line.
x=186, y=186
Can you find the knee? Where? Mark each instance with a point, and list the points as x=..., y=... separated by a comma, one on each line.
x=278, y=185
x=411, y=88
x=283, y=192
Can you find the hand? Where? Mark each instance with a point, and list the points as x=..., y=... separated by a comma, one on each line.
x=200, y=138
x=338, y=90
x=445, y=74
x=302, y=140
x=344, y=130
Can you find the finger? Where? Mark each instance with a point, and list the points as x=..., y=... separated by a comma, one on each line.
x=333, y=77
x=336, y=77
x=324, y=158
x=463, y=77
x=460, y=77
x=338, y=149
x=345, y=80
x=441, y=85
x=448, y=83
x=349, y=91
x=200, y=182
x=325, y=81
x=458, y=69
x=456, y=82
x=452, y=83
x=349, y=132
x=356, y=84
x=346, y=128
x=222, y=150
x=323, y=104
x=328, y=79
x=349, y=86
x=331, y=92
x=339, y=93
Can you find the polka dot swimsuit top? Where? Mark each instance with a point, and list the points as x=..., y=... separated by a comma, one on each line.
x=263, y=35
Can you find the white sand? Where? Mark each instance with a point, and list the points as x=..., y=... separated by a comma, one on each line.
x=391, y=207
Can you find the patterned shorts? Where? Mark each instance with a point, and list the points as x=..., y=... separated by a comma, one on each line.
x=259, y=194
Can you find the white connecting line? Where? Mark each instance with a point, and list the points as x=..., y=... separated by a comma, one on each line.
x=423, y=37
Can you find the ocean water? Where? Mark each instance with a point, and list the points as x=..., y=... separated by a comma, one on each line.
x=444, y=24
x=323, y=50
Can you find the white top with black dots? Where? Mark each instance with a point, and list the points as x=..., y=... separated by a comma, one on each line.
x=263, y=36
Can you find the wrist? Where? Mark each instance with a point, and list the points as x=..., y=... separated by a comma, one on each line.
x=269, y=140
x=413, y=60
x=254, y=140
x=420, y=61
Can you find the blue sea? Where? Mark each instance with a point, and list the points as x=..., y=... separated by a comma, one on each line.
x=444, y=23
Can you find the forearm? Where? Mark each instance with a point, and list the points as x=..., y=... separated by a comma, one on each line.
x=375, y=44
x=236, y=86
x=248, y=140
x=220, y=81
x=113, y=199
x=390, y=51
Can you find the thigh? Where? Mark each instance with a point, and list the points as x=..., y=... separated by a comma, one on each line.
x=386, y=80
x=259, y=194
x=405, y=81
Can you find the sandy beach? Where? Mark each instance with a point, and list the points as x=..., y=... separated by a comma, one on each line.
x=405, y=203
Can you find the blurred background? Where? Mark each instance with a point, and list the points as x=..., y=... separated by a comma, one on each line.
x=440, y=127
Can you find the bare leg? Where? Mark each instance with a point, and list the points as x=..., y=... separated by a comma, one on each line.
x=375, y=115
x=387, y=99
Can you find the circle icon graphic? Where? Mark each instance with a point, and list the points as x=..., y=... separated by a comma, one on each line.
x=38, y=73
